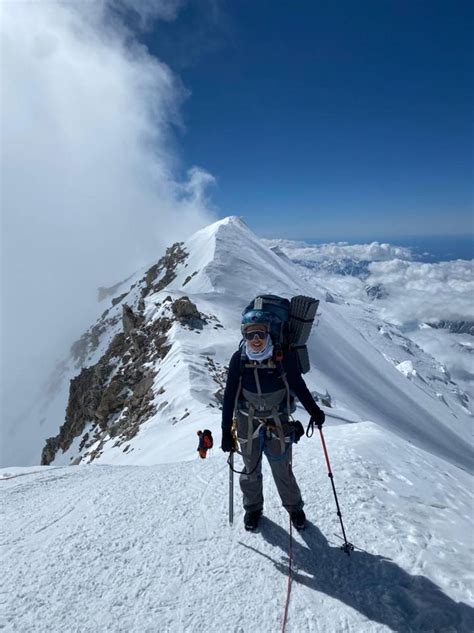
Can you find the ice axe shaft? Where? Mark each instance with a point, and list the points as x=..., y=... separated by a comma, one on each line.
x=347, y=547
x=231, y=488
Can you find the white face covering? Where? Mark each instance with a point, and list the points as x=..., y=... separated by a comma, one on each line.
x=266, y=352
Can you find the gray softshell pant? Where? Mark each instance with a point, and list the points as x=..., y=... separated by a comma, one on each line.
x=252, y=485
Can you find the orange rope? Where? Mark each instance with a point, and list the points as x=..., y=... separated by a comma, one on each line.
x=290, y=571
x=290, y=578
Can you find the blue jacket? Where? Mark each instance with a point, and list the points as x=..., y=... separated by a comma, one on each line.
x=270, y=380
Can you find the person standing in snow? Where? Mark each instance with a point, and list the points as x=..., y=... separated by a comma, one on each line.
x=259, y=395
x=205, y=442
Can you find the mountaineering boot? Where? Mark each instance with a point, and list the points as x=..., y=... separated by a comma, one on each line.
x=298, y=518
x=251, y=519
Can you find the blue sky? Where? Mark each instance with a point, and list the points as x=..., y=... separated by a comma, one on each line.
x=329, y=120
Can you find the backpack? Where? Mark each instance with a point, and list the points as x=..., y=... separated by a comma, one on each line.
x=290, y=325
x=207, y=440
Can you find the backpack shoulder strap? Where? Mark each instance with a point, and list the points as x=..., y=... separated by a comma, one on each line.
x=241, y=373
x=287, y=386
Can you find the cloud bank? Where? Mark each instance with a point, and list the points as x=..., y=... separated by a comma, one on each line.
x=417, y=293
x=426, y=292
x=375, y=251
x=91, y=186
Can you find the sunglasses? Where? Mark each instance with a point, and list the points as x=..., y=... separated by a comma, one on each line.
x=261, y=334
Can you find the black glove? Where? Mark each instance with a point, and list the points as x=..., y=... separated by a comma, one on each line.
x=318, y=417
x=227, y=443
x=298, y=430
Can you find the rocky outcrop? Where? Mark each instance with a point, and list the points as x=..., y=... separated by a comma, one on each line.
x=346, y=266
x=187, y=313
x=218, y=374
x=377, y=291
x=118, y=299
x=164, y=271
x=109, y=400
x=456, y=327
x=90, y=340
x=112, y=398
x=189, y=277
x=130, y=320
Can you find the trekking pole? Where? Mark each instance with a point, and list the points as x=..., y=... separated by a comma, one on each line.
x=346, y=547
x=231, y=488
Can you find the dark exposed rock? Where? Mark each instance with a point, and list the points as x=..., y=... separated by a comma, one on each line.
x=456, y=327
x=187, y=313
x=142, y=388
x=218, y=374
x=346, y=266
x=116, y=300
x=130, y=320
x=164, y=269
x=189, y=277
x=49, y=451
x=157, y=338
x=184, y=309
x=85, y=439
x=84, y=398
x=378, y=291
x=114, y=396
x=113, y=399
x=118, y=346
x=324, y=398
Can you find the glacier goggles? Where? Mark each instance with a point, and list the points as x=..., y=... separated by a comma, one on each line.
x=261, y=334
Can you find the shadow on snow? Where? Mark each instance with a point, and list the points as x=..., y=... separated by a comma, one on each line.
x=369, y=583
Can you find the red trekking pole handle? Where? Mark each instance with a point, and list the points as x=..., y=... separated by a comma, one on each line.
x=325, y=450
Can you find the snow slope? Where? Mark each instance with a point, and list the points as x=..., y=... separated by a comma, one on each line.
x=139, y=540
x=149, y=548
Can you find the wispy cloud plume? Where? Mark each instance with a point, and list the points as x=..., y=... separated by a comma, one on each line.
x=90, y=180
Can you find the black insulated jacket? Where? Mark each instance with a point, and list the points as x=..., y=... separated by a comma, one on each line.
x=270, y=380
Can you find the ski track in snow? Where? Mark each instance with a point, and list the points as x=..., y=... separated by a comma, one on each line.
x=149, y=548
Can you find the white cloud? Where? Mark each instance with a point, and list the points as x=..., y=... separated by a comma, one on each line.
x=417, y=292
x=90, y=186
x=338, y=250
x=427, y=292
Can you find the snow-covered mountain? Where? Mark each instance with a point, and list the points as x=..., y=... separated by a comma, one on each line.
x=136, y=538
x=153, y=367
